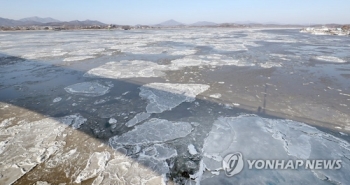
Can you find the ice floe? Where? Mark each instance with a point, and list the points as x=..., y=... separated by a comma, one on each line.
x=270, y=65
x=75, y=120
x=271, y=139
x=152, y=131
x=137, y=119
x=192, y=150
x=56, y=99
x=112, y=121
x=88, y=89
x=127, y=69
x=216, y=95
x=94, y=166
x=166, y=96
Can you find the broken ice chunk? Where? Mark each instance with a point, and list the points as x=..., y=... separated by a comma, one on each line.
x=216, y=95
x=87, y=89
x=127, y=69
x=75, y=120
x=166, y=96
x=153, y=131
x=159, y=152
x=137, y=119
x=57, y=99
x=94, y=166
x=192, y=149
x=112, y=121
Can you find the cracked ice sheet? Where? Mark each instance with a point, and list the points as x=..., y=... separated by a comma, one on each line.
x=88, y=89
x=126, y=171
x=258, y=138
x=26, y=145
x=137, y=119
x=152, y=131
x=166, y=96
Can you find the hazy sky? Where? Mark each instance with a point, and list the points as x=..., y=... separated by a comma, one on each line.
x=185, y=11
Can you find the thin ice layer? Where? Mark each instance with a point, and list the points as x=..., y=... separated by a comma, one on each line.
x=28, y=144
x=137, y=119
x=272, y=139
x=153, y=131
x=166, y=96
x=88, y=89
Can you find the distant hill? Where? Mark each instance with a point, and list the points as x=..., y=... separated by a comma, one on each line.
x=39, y=19
x=75, y=23
x=170, y=23
x=246, y=22
x=33, y=21
x=204, y=23
x=8, y=22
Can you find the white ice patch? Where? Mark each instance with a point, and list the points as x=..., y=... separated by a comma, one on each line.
x=331, y=59
x=166, y=96
x=207, y=60
x=112, y=121
x=56, y=99
x=94, y=166
x=192, y=150
x=216, y=95
x=127, y=69
x=75, y=120
x=87, y=89
x=137, y=119
x=153, y=131
x=26, y=145
x=270, y=65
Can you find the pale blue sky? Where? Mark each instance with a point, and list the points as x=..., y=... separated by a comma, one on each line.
x=185, y=11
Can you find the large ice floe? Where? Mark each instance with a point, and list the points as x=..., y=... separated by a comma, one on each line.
x=147, y=69
x=26, y=145
x=88, y=89
x=259, y=138
x=127, y=69
x=166, y=96
x=152, y=131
